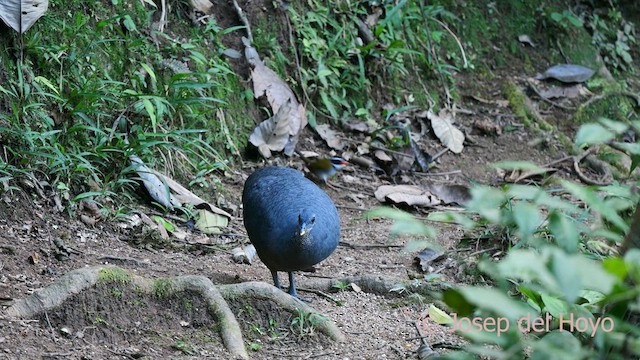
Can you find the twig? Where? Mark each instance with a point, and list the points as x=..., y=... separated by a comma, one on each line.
x=440, y=153
x=533, y=87
x=630, y=94
x=373, y=246
x=483, y=251
x=123, y=260
x=390, y=151
x=453, y=172
x=351, y=208
x=320, y=293
x=243, y=20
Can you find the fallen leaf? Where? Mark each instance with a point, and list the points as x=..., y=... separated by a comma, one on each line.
x=554, y=92
x=267, y=83
x=357, y=126
x=273, y=133
x=210, y=223
x=355, y=287
x=406, y=194
x=156, y=187
x=439, y=316
x=20, y=15
x=450, y=194
x=525, y=39
x=448, y=134
x=382, y=156
x=487, y=127
x=243, y=255
x=329, y=136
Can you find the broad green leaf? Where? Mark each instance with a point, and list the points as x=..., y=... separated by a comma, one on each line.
x=527, y=218
x=593, y=134
x=593, y=199
x=564, y=230
x=495, y=301
x=554, y=306
x=558, y=345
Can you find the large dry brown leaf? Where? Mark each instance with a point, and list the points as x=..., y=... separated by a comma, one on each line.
x=267, y=83
x=406, y=194
x=273, y=133
x=329, y=136
x=20, y=15
x=449, y=135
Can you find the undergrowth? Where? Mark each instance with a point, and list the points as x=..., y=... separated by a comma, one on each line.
x=98, y=82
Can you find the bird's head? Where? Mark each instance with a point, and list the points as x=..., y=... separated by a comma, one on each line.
x=306, y=220
x=338, y=163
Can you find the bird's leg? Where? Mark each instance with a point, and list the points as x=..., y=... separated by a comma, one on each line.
x=292, y=289
x=276, y=280
x=292, y=285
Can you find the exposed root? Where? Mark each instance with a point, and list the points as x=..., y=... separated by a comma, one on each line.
x=261, y=290
x=79, y=280
x=216, y=297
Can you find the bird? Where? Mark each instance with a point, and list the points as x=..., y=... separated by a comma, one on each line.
x=290, y=221
x=324, y=168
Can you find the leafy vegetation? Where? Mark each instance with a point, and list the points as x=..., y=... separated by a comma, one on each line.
x=99, y=84
x=569, y=284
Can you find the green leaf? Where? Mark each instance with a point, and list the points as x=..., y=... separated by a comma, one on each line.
x=455, y=300
x=593, y=199
x=554, y=306
x=532, y=295
x=593, y=134
x=495, y=301
x=439, y=316
x=527, y=218
x=558, y=345
x=615, y=266
x=329, y=105
x=564, y=230
x=166, y=224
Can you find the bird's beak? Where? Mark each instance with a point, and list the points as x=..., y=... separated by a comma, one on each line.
x=304, y=230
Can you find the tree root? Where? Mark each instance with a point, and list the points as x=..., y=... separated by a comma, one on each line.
x=261, y=290
x=215, y=297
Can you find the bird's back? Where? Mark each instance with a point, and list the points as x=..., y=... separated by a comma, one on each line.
x=273, y=198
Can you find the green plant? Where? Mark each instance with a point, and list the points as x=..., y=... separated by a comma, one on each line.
x=566, y=19
x=305, y=323
x=95, y=91
x=569, y=286
x=614, y=36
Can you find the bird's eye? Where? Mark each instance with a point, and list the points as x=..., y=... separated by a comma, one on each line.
x=312, y=220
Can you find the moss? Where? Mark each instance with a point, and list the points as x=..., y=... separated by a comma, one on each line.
x=578, y=49
x=611, y=104
x=115, y=275
x=162, y=288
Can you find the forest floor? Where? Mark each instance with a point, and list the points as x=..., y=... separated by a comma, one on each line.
x=376, y=326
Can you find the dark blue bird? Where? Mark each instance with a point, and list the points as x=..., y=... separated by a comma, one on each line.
x=291, y=222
